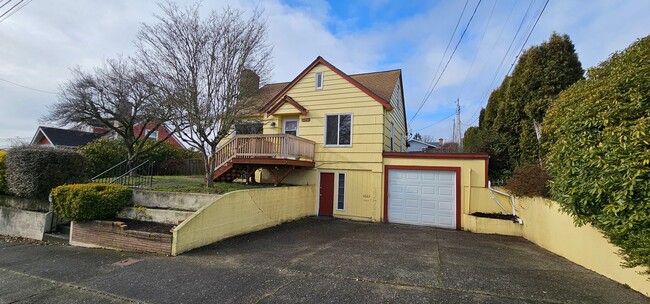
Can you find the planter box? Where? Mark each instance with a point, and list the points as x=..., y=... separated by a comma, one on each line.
x=117, y=236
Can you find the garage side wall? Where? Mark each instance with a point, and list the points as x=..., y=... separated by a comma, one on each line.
x=472, y=169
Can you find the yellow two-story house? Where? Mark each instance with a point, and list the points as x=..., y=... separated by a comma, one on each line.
x=347, y=134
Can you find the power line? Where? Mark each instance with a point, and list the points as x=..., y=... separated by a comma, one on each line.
x=529, y=33
x=13, y=9
x=26, y=87
x=437, y=122
x=451, y=38
x=450, y=57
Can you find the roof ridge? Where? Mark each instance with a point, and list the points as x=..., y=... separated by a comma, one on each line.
x=377, y=72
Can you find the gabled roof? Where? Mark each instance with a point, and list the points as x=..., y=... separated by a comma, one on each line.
x=376, y=85
x=291, y=101
x=431, y=145
x=64, y=137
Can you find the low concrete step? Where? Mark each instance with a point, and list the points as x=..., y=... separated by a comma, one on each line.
x=172, y=200
x=165, y=216
x=57, y=238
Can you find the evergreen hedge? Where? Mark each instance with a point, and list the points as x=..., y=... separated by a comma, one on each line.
x=3, y=172
x=598, y=141
x=85, y=202
x=33, y=171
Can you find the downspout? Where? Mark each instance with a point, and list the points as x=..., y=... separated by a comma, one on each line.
x=512, y=202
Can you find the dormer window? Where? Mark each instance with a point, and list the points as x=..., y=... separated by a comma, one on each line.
x=319, y=80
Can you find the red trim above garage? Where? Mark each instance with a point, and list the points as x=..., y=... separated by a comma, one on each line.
x=486, y=157
x=430, y=168
x=436, y=155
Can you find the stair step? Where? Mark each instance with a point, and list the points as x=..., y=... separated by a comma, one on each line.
x=57, y=238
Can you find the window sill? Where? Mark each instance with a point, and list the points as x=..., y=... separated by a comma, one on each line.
x=337, y=146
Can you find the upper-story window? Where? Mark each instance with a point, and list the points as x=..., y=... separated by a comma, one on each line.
x=319, y=80
x=153, y=135
x=338, y=130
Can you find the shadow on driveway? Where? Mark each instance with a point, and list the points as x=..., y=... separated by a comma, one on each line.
x=316, y=261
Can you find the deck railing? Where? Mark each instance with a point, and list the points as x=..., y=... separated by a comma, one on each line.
x=282, y=146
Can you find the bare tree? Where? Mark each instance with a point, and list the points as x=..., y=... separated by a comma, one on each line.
x=116, y=96
x=197, y=63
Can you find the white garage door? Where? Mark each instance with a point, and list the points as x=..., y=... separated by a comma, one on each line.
x=422, y=197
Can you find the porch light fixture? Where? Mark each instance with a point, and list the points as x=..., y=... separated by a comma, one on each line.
x=273, y=124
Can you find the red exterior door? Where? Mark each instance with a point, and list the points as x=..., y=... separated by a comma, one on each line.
x=326, y=200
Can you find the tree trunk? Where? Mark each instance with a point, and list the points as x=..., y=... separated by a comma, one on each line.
x=538, y=134
x=207, y=164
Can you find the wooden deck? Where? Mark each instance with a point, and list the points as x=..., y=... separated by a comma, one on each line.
x=278, y=153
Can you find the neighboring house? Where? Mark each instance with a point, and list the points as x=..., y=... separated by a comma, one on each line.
x=426, y=147
x=347, y=134
x=419, y=146
x=85, y=133
x=63, y=138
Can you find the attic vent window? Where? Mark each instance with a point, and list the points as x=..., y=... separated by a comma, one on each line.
x=319, y=80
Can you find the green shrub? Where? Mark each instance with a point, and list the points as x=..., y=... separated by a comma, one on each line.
x=102, y=154
x=3, y=171
x=529, y=180
x=85, y=202
x=33, y=171
x=105, y=153
x=598, y=139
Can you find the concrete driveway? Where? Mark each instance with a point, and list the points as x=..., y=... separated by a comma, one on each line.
x=314, y=261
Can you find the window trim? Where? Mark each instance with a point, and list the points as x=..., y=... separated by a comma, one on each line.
x=322, y=80
x=325, y=144
x=284, y=125
x=345, y=182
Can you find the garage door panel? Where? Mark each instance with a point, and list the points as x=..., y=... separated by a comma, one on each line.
x=428, y=204
x=422, y=197
x=428, y=190
x=445, y=220
x=412, y=189
x=445, y=191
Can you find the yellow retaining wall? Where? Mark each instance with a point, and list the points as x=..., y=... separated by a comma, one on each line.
x=549, y=228
x=242, y=212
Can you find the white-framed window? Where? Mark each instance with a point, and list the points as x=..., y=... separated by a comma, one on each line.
x=392, y=137
x=153, y=135
x=319, y=80
x=338, y=130
x=340, y=192
x=290, y=126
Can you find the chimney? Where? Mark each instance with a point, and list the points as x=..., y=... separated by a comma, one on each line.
x=441, y=142
x=249, y=83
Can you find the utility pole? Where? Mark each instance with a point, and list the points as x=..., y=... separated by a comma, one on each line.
x=460, y=135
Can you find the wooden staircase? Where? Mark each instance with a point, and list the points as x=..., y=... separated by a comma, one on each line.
x=280, y=154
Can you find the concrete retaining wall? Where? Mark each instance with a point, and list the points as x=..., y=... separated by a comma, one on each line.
x=242, y=212
x=173, y=217
x=172, y=200
x=23, y=223
x=113, y=235
x=545, y=225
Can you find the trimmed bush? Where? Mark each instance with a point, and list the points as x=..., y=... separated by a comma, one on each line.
x=85, y=202
x=3, y=172
x=529, y=180
x=33, y=171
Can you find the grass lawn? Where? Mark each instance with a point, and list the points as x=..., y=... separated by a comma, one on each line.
x=195, y=184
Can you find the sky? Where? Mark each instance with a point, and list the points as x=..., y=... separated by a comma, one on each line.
x=41, y=42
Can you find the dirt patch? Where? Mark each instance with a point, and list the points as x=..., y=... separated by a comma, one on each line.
x=146, y=226
x=500, y=216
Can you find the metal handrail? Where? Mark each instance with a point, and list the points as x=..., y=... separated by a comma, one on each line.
x=128, y=172
x=111, y=168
